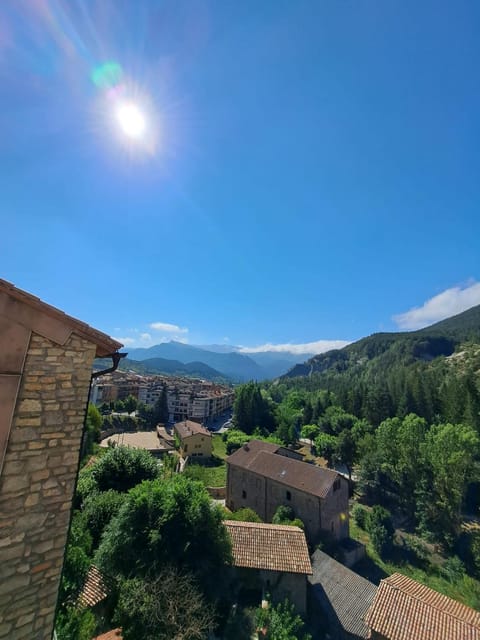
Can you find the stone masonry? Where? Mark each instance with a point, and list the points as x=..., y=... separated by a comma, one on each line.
x=41, y=418
x=37, y=483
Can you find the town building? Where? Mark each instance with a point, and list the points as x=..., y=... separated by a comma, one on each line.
x=263, y=476
x=341, y=596
x=194, y=440
x=272, y=559
x=187, y=398
x=404, y=609
x=46, y=362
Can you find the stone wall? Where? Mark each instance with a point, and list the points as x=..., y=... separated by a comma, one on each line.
x=37, y=483
x=335, y=510
x=264, y=496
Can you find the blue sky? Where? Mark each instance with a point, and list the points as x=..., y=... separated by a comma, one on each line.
x=309, y=170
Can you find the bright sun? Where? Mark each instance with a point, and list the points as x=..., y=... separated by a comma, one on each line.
x=131, y=120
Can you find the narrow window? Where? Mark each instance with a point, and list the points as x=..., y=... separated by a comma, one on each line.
x=289, y=495
x=244, y=494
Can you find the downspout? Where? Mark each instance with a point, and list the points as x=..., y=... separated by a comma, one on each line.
x=116, y=357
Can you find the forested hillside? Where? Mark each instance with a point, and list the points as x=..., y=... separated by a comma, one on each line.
x=432, y=372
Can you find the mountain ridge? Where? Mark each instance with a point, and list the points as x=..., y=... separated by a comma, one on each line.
x=428, y=343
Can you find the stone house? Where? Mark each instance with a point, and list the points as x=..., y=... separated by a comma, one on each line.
x=194, y=440
x=262, y=476
x=403, y=608
x=271, y=559
x=45, y=371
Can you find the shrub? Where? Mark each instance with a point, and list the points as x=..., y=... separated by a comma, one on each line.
x=453, y=569
x=121, y=468
x=379, y=526
x=243, y=515
x=281, y=622
x=283, y=514
x=234, y=439
x=99, y=509
x=360, y=515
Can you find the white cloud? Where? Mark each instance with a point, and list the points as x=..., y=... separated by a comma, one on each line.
x=138, y=340
x=167, y=327
x=445, y=304
x=320, y=346
x=127, y=342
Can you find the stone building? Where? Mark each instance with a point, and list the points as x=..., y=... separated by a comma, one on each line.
x=263, y=476
x=271, y=559
x=45, y=370
x=194, y=440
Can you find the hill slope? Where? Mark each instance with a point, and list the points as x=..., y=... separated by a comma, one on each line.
x=168, y=367
x=380, y=351
x=434, y=372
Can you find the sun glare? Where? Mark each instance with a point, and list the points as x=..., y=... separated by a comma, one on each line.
x=131, y=120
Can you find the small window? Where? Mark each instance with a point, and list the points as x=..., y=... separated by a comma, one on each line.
x=289, y=495
x=244, y=494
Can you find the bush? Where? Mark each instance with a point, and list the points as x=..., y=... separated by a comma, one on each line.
x=360, y=515
x=234, y=439
x=281, y=622
x=243, y=515
x=99, y=509
x=122, y=468
x=453, y=569
x=283, y=514
x=86, y=486
x=380, y=528
x=75, y=624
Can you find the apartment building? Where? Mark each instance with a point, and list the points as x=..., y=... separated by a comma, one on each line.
x=188, y=399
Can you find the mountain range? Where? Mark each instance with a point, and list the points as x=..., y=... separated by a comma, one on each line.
x=219, y=361
x=373, y=354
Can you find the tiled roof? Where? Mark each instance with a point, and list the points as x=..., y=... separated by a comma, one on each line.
x=188, y=428
x=269, y=546
x=404, y=609
x=47, y=320
x=94, y=590
x=262, y=458
x=114, y=634
x=343, y=595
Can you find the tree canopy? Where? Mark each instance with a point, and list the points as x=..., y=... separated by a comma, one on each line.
x=121, y=468
x=166, y=522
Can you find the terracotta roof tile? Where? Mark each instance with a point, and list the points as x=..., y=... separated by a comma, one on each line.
x=404, y=609
x=187, y=428
x=262, y=458
x=114, y=634
x=94, y=590
x=269, y=546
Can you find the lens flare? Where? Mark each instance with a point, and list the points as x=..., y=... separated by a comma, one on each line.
x=131, y=120
x=107, y=75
